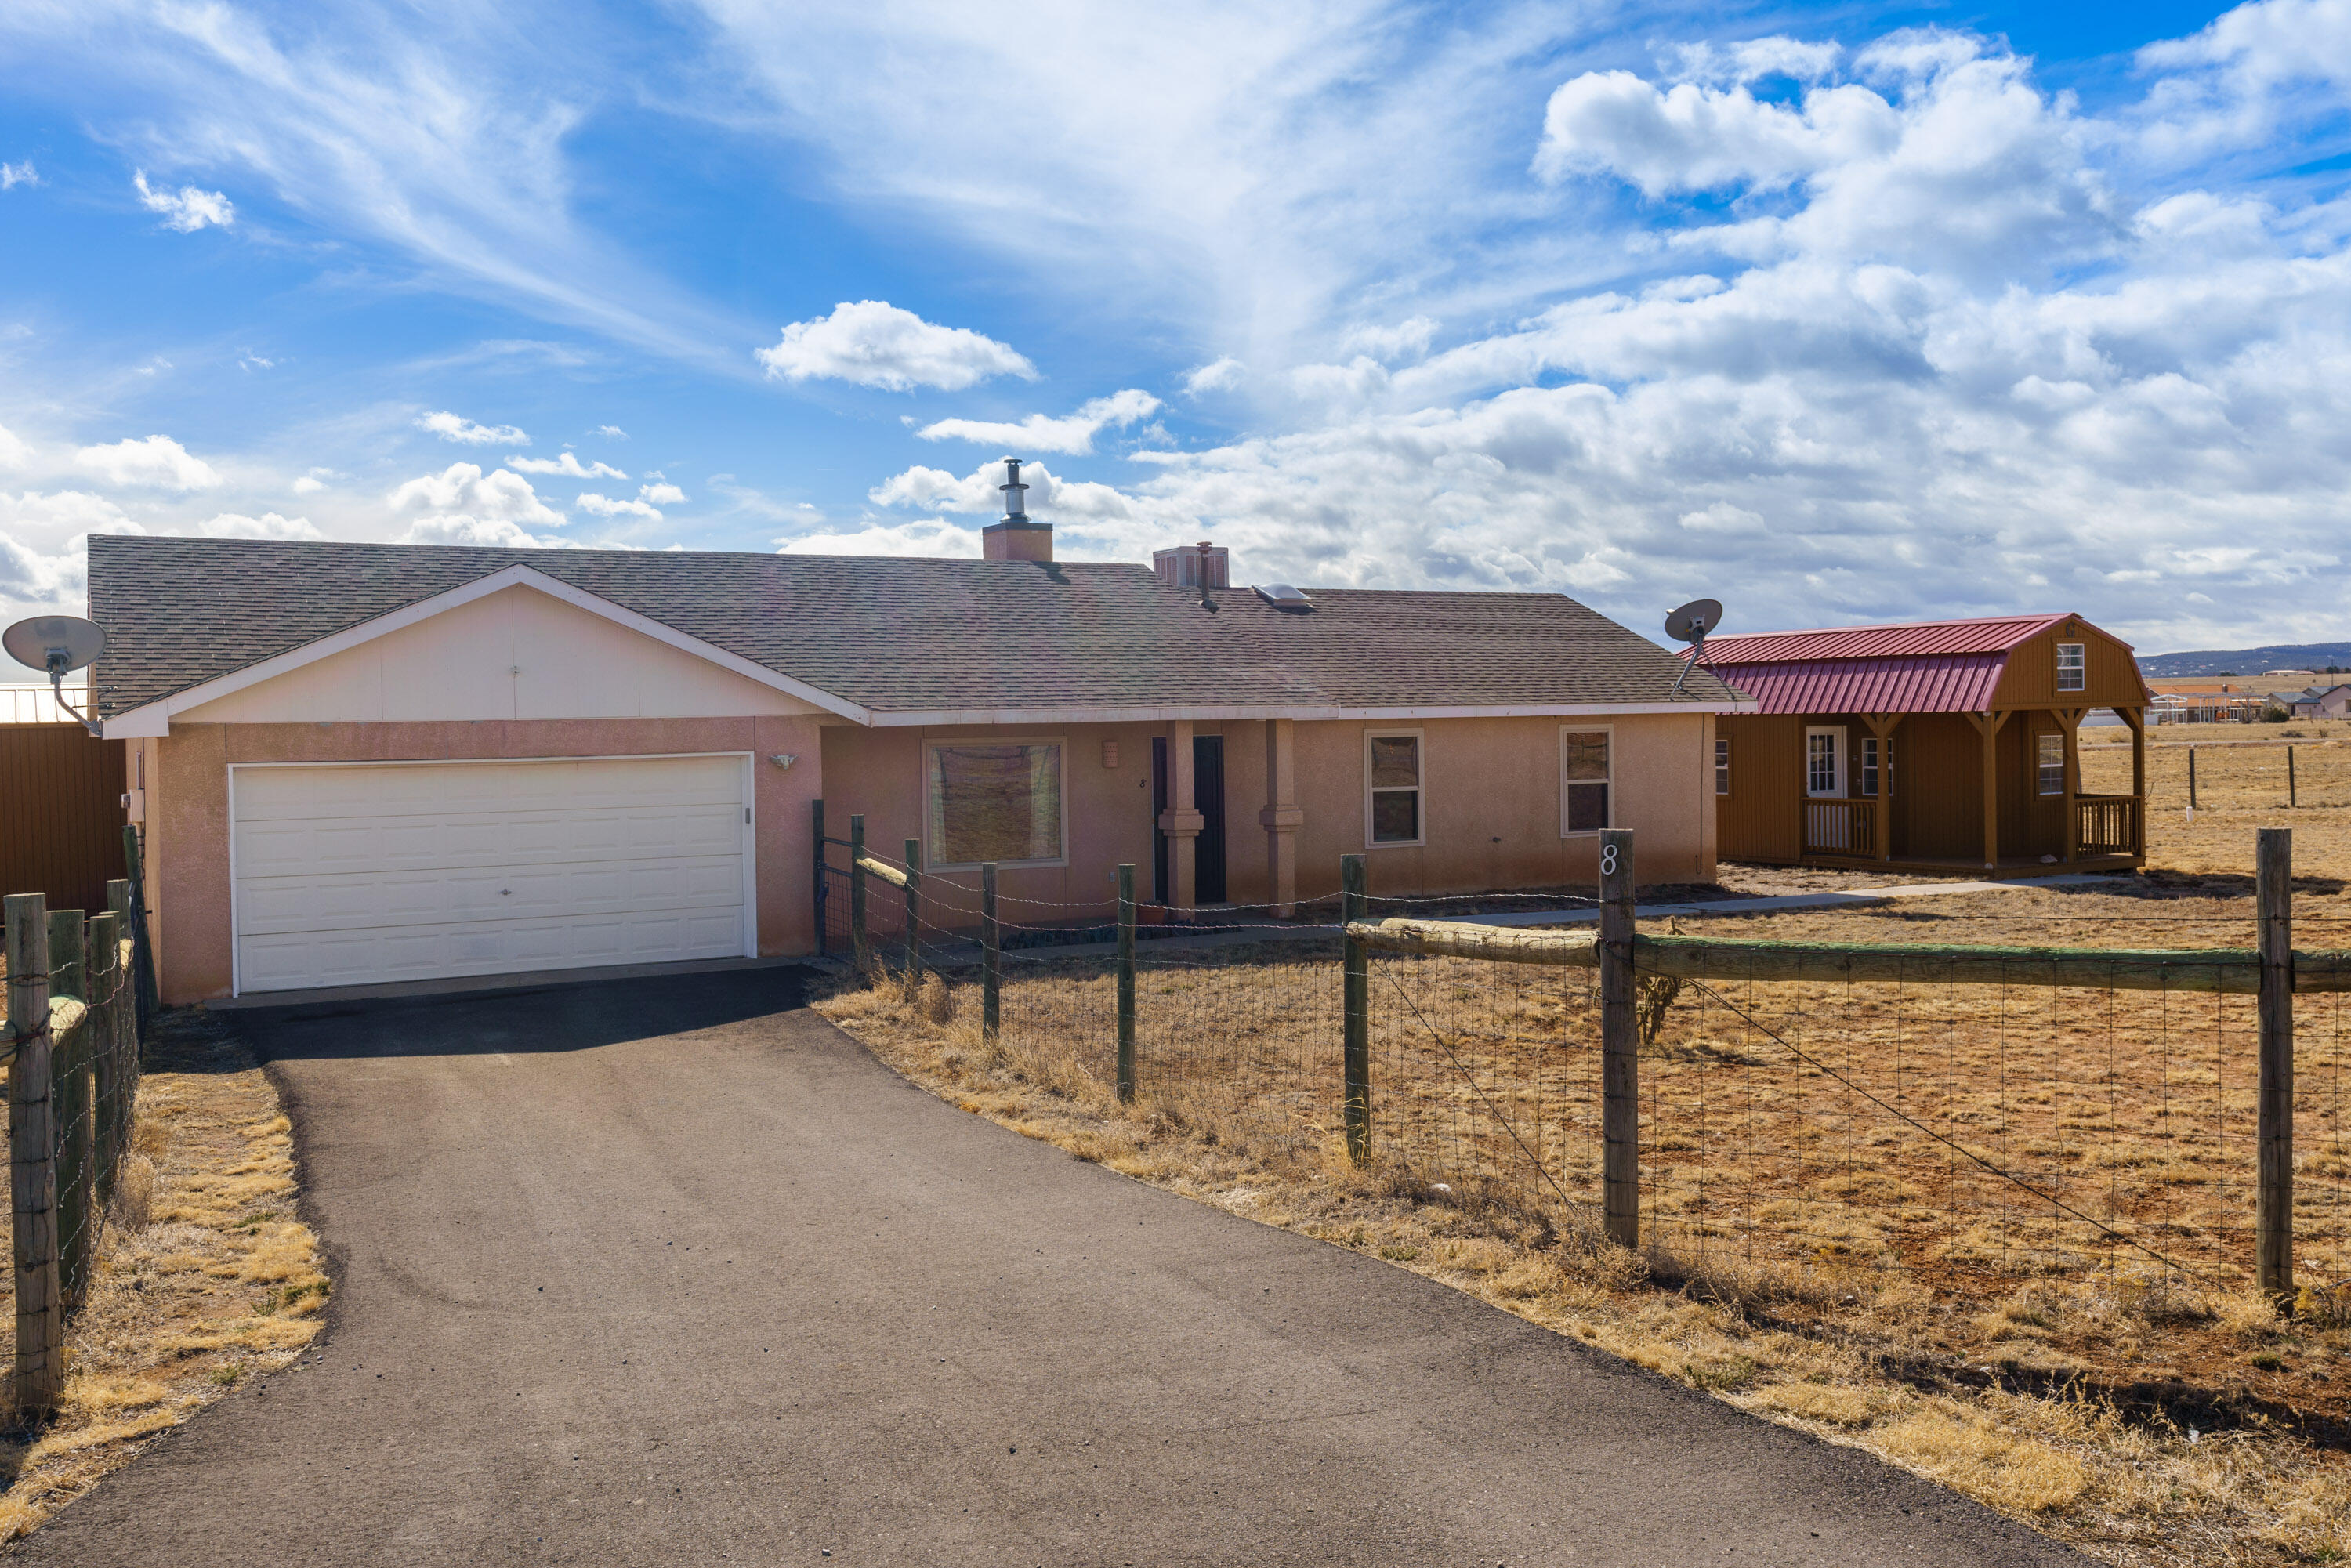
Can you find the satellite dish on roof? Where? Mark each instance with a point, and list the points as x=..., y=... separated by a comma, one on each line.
x=57, y=646
x=1690, y=624
x=1693, y=620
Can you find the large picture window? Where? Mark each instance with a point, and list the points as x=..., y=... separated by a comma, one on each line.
x=1392, y=764
x=994, y=800
x=1583, y=780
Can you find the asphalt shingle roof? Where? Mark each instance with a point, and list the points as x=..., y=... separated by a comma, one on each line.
x=901, y=636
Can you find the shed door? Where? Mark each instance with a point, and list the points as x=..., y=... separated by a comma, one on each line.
x=357, y=874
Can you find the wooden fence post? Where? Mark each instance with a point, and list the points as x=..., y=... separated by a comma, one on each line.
x=142, y=945
x=860, y=951
x=1620, y=1042
x=991, y=959
x=1126, y=983
x=2191, y=779
x=38, y=1383
x=2273, y=1201
x=913, y=911
x=816, y=822
x=107, y=1080
x=69, y=1105
x=1356, y=1057
x=2289, y=777
x=128, y=1018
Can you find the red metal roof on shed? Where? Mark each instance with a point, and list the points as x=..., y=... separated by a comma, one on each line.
x=1997, y=634
x=1958, y=683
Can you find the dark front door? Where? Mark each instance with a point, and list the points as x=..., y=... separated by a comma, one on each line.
x=1209, y=799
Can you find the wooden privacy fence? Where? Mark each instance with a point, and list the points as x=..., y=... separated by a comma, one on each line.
x=78, y=996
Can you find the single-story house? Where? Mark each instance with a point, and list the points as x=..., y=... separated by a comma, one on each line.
x=2320, y=702
x=357, y=763
x=1939, y=746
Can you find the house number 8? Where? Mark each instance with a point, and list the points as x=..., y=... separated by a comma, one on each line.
x=1608, y=860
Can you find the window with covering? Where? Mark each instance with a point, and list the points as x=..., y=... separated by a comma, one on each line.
x=1721, y=765
x=1869, y=744
x=2073, y=667
x=1583, y=780
x=2052, y=757
x=994, y=800
x=1392, y=762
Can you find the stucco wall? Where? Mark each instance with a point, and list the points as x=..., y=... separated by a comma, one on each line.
x=1491, y=800
x=187, y=802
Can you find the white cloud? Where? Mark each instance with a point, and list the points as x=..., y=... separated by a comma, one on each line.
x=1691, y=137
x=1405, y=340
x=1072, y=433
x=449, y=426
x=567, y=464
x=1217, y=375
x=1753, y=59
x=499, y=532
x=876, y=344
x=15, y=174
x=614, y=431
x=249, y=360
x=13, y=451
x=661, y=495
x=156, y=461
x=268, y=525
x=607, y=506
x=931, y=537
x=306, y=485
x=186, y=209
x=461, y=497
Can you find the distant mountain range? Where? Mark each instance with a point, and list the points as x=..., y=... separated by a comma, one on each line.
x=2250, y=661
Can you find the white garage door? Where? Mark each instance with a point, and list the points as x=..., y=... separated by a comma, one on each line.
x=348, y=875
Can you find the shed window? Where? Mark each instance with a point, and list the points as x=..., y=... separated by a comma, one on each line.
x=2072, y=667
x=1583, y=780
x=2050, y=749
x=1722, y=765
x=1869, y=744
x=1393, y=766
x=995, y=801
x=1823, y=768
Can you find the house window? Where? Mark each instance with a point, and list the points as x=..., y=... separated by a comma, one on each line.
x=1583, y=780
x=1824, y=761
x=1391, y=765
x=2071, y=668
x=1869, y=765
x=2050, y=751
x=1721, y=765
x=992, y=801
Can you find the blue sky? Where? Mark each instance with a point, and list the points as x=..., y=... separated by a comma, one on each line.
x=1838, y=313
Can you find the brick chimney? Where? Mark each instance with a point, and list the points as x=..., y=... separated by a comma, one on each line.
x=1018, y=537
x=1202, y=565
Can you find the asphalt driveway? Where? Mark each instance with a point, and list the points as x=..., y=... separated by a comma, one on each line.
x=674, y=1272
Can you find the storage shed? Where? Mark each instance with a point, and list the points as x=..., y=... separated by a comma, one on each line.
x=1943, y=745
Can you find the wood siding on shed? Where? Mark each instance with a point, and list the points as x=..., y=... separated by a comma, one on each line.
x=2110, y=675
x=1760, y=819
x=61, y=823
x=1938, y=786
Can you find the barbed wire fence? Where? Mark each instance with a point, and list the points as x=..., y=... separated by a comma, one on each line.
x=1827, y=1115
x=80, y=992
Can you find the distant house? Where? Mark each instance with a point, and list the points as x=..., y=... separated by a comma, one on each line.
x=2320, y=702
x=1941, y=746
x=357, y=763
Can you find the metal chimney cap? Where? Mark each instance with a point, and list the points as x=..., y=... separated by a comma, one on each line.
x=1016, y=504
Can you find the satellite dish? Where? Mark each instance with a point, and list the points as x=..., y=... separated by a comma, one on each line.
x=57, y=646
x=1693, y=620
x=1690, y=624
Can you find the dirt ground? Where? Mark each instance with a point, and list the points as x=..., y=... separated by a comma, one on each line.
x=206, y=1275
x=2241, y=785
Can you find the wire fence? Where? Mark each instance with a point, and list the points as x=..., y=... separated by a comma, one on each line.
x=1952, y=1134
x=80, y=991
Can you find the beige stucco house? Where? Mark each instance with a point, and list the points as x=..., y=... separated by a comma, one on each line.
x=359, y=763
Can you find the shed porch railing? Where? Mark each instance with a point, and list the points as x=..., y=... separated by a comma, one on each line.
x=2108, y=825
x=1841, y=826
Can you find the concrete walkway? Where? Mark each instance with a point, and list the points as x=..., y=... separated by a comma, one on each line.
x=668, y=1272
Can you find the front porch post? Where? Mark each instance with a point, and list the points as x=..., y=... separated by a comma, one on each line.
x=1181, y=822
x=2069, y=719
x=2136, y=718
x=1282, y=817
x=1988, y=726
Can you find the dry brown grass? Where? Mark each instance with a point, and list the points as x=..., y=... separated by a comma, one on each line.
x=2239, y=786
x=206, y=1275
x=2016, y=1387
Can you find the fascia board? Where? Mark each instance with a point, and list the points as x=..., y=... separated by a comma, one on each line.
x=153, y=719
x=1203, y=714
